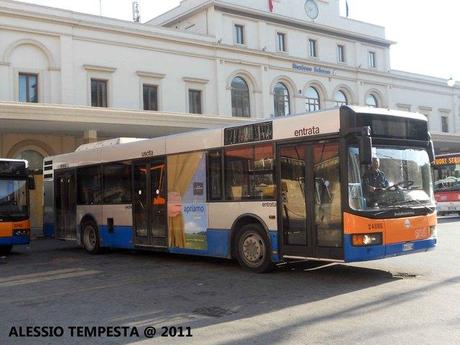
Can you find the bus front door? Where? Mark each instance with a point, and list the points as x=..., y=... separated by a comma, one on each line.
x=66, y=205
x=310, y=217
x=149, y=204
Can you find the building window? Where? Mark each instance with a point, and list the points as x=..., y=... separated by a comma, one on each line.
x=281, y=42
x=150, y=96
x=281, y=98
x=371, y=101
x=312, y=51
x=445, y=124
x=239, y=34
x=98, y=93
x=340, y=98
x=34, y=158
x=240, y=98
x=312, y=100
x=28, y=87
x=372, y=60
x=340, y=53
x=194, y=101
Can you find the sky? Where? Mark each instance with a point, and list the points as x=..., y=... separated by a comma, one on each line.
x=426, y=31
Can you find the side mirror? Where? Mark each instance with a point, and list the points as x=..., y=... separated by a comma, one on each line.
x=31, y=182
x=365, y=147
x=431, y=153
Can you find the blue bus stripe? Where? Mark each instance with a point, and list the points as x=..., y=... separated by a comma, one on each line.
x=218, y=242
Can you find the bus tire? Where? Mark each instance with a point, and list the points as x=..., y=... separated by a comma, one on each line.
x=5, y=250
x=90, y=237
x=253, y=249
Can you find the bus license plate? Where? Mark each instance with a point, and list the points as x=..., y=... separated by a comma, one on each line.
x=408, y=246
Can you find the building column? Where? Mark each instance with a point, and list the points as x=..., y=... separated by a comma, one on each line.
x=67, y=65
x=6, y=84
x=265, y=110
x=2, y=154
x=389, y=98
x=455, y=111
x=262, y=33
x=221, y=87
x=90, y=136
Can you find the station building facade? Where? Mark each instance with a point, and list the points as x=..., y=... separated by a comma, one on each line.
x=69, y=78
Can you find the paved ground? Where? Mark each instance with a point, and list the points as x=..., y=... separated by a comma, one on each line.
x=407, y=300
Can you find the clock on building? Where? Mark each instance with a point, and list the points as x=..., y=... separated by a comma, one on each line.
x=312, y=9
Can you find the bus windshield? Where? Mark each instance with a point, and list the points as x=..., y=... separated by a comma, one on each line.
x=13, y=198
x=397, y=178
x=447, y=174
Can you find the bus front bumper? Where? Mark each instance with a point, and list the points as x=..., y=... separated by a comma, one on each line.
x=355, y=254
x=20, y=237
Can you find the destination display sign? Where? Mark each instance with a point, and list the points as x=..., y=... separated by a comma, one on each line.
x=248, y=133
x=12, y=168
x=447, y=160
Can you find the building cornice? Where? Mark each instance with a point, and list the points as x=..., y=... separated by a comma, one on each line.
x=195, y=80
x=298, y=24
x=94, y=68
x=81, y=115
x=152, y=75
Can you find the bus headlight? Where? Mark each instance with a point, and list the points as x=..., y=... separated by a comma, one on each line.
x=433, y=231
x=360, y=240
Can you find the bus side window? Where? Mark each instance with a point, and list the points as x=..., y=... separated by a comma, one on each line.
x=117, y=183
x=89, y=185
x=215, y=175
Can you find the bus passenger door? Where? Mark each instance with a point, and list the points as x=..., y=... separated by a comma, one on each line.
x=65, y=205
x=149, y=204
x=294, y=201
x=310, y=217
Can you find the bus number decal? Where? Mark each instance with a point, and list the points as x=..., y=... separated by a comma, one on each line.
x=148, y=153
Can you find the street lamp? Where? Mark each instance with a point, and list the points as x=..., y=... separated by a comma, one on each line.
x=451, y=82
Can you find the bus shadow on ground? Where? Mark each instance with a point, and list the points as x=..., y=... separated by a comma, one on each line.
x=210, y=291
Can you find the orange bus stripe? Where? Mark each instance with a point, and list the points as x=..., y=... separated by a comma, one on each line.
x=6, y=228
x=394, y=230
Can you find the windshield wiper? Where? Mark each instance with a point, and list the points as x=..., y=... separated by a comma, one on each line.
x=412, y=202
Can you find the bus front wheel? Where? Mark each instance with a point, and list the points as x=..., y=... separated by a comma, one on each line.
x=253, y=249
x=90, y=236
x=5, y=250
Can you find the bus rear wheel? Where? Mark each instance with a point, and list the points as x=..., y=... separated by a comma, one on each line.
x=90, y=238
x=253, y=249
x=5, y=250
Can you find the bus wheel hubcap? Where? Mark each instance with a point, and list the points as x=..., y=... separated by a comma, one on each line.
x=253, y=249
x=90, y=237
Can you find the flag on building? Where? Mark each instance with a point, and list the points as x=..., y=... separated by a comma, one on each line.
x=270, y=5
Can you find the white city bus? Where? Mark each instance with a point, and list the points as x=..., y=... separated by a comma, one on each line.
x=266, y=192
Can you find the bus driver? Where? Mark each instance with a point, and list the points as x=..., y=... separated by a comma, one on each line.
x=374, y=180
